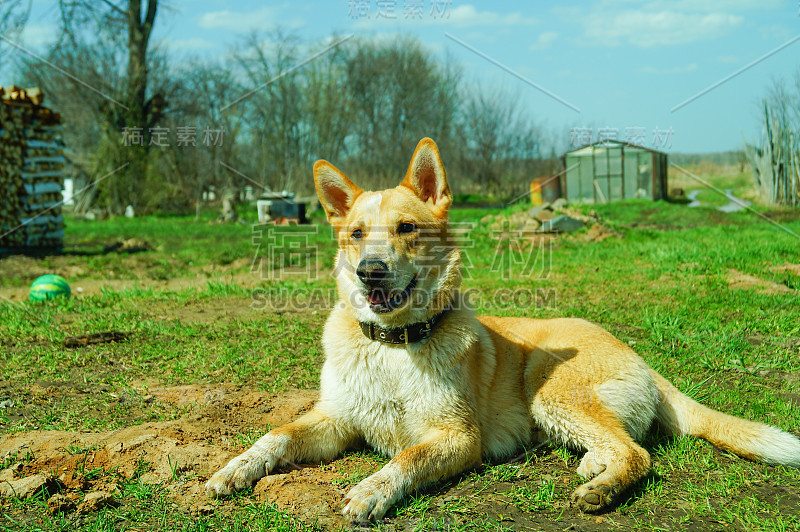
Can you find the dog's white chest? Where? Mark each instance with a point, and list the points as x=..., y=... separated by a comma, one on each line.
x=383, y=394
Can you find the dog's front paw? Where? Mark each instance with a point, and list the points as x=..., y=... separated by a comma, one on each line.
x=593, y=496
x=240, y=473
x=590, y=466
x=370, y=499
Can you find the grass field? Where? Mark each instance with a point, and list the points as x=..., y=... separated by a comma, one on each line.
x=708, y=299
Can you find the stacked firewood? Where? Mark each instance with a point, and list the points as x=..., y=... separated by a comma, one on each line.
x=31, y=166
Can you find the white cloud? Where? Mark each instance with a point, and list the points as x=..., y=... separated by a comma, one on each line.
x=480, y=36
x=657, y=28
x=729, y=59
x=776, y=32
x=691, y=67
x=195, y=44
x=463, y=16
x=266, y=17
x=711, y=6
x=466, y=16
x=544, y=41
x=39, y=35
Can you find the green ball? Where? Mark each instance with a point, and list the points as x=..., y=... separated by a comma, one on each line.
x=49, y=287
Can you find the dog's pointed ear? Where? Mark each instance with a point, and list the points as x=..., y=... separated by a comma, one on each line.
x=336, y=192
x=427, y=178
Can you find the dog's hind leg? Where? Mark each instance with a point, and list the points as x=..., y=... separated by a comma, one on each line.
x=623, y=460
x=312, y=437
x=613, y=460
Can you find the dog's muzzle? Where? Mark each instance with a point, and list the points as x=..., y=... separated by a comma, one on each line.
x=373, y=273
x=377, y=280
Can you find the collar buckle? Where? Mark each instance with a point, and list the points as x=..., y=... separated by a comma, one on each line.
x=426, y=329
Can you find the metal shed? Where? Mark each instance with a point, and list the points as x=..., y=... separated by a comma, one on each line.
x=611, y=170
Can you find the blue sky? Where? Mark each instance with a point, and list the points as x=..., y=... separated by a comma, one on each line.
x=624, y=64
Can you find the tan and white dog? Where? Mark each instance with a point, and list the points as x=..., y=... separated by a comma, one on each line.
x=411, y=372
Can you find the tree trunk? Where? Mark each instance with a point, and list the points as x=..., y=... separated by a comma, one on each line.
x=139, y=31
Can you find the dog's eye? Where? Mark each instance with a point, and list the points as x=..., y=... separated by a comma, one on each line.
x=357, y=234
x=406, y=227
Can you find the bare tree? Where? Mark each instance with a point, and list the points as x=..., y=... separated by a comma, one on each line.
x=328, y=106
x=129, y=16
x=501, y=140
x=365, y=104
x=13, y=17
x=293, y=116
x=90, y=116
x=400, y=94
x=96, y=25
x=205, y=154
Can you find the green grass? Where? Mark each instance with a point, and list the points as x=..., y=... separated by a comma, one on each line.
x=662, y=287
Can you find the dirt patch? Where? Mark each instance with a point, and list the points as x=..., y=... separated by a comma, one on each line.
x=92, y=287
x=242, y=404
x=182, y=454
x=221, y=414
x=311, y=494
x=787, y=267
x=786, y=214
x=29, y=268
x=129, y=272
x=598, y=233
x=741, y=281
x=201, y=312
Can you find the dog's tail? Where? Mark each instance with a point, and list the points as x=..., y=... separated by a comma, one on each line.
x=749, y=439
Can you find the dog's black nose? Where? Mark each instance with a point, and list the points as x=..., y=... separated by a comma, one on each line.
x=372, y=272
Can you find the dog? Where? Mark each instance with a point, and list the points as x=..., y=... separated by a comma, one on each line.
x=414, y=374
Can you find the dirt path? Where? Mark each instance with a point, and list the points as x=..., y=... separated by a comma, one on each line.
x=734, y=204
